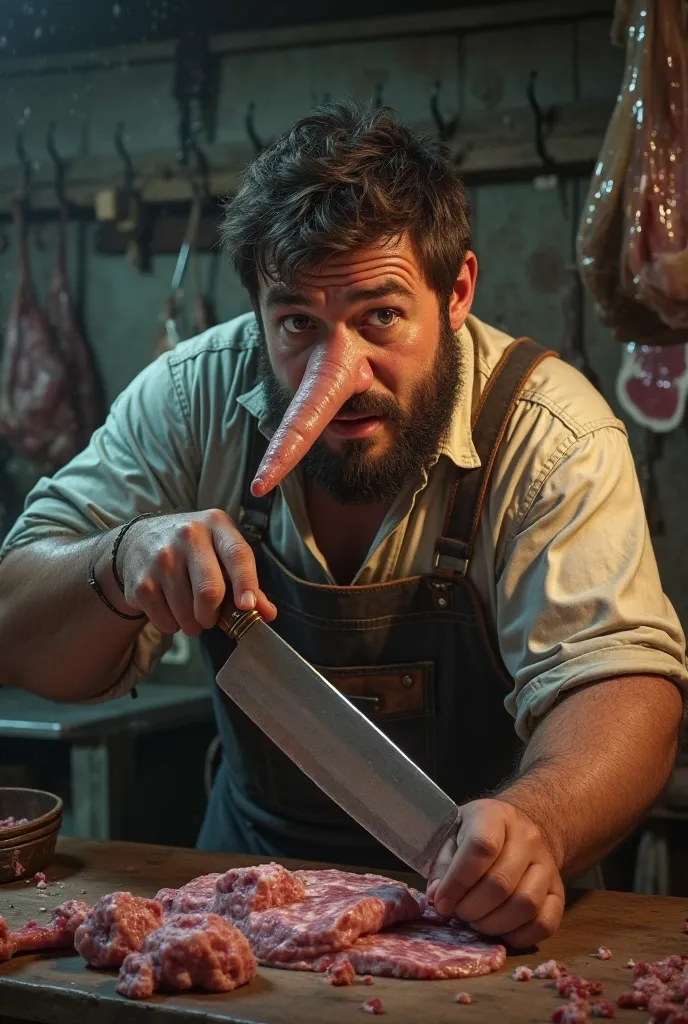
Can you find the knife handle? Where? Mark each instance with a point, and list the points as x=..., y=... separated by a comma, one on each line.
x=236, y=624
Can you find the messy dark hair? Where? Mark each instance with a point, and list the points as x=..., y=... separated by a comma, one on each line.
x=344, y=178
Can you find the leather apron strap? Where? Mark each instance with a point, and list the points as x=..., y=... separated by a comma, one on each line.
x=490, y=420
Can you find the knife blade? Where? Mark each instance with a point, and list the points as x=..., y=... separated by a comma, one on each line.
x=341, y=750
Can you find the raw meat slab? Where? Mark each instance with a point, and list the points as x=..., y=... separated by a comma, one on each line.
x=339, y=907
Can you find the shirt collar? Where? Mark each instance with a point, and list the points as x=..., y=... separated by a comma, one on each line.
x=458, y=445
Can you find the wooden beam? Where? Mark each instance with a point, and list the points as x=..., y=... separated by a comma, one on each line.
x=484, y=147
x=477, y=17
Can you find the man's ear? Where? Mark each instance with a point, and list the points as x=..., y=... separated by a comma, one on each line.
x=461, y=298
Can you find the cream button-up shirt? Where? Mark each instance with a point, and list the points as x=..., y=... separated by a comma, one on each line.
x=563, y=560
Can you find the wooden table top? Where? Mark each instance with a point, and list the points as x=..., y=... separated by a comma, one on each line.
x=58, y=988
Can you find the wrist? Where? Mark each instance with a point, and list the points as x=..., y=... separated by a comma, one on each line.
x=106, y=581
x=535, y=804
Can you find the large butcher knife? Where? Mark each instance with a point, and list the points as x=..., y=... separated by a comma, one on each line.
x=330, y=740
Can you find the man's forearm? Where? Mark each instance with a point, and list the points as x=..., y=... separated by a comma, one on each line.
x=56, y=638
x=595, y=764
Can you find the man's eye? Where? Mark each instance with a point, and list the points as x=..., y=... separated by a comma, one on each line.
x=296, y=323
x=383, y=318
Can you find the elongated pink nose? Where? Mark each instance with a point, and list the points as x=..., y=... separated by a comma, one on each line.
x=335, y=372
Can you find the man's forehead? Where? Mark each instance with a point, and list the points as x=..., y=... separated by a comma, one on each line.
x=376, y=268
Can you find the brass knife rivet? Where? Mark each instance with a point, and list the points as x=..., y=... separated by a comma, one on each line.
x=442, y=602
x=407, y=681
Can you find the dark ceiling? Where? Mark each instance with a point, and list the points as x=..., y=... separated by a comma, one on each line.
x=34, y=27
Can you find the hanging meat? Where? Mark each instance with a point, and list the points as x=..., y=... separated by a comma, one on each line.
x=654, y=265
x=601, y=229
x=87, y=395
x=37, y=415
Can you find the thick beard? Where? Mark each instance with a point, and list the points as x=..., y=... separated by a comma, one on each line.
x=350, y=476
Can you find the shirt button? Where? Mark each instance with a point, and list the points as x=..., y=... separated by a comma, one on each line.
x=442, y=602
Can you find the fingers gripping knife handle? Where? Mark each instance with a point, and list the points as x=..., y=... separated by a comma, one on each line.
x=237, y=623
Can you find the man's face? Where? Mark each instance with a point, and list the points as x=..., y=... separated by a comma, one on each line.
x=373, y=306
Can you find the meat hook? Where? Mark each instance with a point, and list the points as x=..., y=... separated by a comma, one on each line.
x=544, y=119
x=126, y=159
x=258, y=145
x=59, y=164
x=446, y=129
x=25, y=165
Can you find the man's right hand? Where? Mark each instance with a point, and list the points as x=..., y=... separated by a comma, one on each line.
x=179, y=569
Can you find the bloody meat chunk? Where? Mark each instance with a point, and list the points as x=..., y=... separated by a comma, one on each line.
x=189, y=951
x=57, y=933
x=116, y=926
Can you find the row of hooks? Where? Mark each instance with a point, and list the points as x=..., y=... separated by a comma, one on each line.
x=191, y=152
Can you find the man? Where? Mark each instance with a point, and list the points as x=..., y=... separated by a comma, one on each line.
x=448, y=524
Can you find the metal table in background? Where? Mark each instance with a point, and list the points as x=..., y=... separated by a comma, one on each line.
x=100, y=739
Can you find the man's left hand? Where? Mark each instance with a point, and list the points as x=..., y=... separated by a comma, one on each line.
x=499, y=875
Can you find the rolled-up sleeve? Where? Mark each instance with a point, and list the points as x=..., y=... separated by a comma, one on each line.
x=141, y=460
x=579, y=599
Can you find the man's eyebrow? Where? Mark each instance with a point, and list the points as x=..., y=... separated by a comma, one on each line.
x=385, y=290
x=282, y=295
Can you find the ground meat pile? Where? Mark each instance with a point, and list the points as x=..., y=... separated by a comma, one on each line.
x=116, y=926
x=660, y=987
x=189, y=951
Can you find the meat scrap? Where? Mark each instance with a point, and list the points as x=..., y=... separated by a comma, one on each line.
x=339, y=906
x=463, y=997
x=58, y=933
x=116, y=926
x=550, y=969
x=575, y=985
x=603, y=953
x=188, y=951
x=603, y=1009
x=196, y=897
x=340, y=973
x=522, y=973
x=373, y=1006
x=576, y=1012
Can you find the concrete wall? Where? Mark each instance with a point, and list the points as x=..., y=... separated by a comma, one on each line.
x=523, y=237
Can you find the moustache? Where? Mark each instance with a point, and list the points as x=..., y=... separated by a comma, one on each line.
x=367, y=404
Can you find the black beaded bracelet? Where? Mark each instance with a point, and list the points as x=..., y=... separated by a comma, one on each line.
x=118, y=540
x=94, y=585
